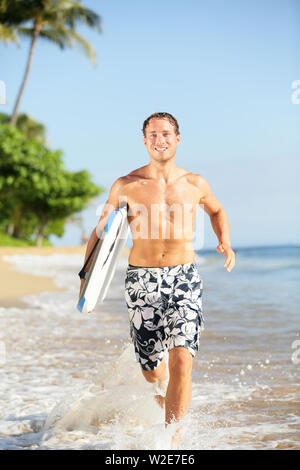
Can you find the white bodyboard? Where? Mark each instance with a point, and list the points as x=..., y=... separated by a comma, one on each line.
x=105, y=260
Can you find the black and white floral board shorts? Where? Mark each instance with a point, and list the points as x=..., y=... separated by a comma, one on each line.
x=165, y=310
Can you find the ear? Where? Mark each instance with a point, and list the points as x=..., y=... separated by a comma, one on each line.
x=178, y=139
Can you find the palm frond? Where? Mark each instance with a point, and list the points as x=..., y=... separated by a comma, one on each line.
x=16, y=12
x=58, y=18
x=65, y=37
x=8, y=34
x=27, y=32
x=71, y=12
x=57, y=36
x=85, y=46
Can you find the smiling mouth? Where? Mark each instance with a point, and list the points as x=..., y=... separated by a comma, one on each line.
x=160, y=149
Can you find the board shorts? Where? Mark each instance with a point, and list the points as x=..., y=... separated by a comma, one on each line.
x=165, y=310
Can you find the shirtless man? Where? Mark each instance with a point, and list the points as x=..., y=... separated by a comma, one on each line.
x=163, y=289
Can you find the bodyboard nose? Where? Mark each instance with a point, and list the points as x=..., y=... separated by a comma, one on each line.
x=80, y=304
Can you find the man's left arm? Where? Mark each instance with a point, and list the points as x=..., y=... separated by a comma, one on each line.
x=219, y=222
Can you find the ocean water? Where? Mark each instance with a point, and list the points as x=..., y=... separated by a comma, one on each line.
x=70, y=381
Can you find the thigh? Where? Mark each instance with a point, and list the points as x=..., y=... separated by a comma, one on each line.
x=184, y=320
x=145, y=314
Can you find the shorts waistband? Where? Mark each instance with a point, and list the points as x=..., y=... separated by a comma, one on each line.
x=163, y=268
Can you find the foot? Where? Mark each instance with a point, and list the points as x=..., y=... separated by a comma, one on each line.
x=176, y=440
x=160, y=400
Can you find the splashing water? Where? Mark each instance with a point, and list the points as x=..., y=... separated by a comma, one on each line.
x=71, y=381
x=119, y=406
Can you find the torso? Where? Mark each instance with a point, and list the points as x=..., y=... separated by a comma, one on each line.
x=161, y=218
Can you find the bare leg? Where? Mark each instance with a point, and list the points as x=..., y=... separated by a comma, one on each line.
x=179, y=390
x=157, y=374
x=161, y=386
x=159, y=377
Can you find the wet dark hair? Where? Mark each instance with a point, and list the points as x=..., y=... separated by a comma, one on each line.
x=166, y=116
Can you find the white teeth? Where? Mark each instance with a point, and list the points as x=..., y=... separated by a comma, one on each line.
x=163, y=149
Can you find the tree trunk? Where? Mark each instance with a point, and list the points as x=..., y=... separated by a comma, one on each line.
x=13, y=228
x=36, y=32
x=10, y=228
x=41, y=233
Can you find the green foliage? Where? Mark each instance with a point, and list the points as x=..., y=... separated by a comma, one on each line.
x=35, y=188
x=6, y=240
x=37, y=193
x=56, y=227
x=53, y=20
x=29, y=126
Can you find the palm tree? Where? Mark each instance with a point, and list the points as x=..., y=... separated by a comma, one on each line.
x=53, y=20
x=8, y=34
x=29, y=126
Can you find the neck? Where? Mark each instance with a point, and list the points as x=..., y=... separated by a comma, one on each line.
x=162, y=171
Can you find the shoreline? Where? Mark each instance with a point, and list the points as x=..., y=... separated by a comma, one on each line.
x=16, y=284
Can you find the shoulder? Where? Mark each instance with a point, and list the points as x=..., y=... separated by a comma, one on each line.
x=119, y=187
x=117, y=192
x=122, y=181
x=136, y=174
x=199, y=182
x=116, y=188
x=134, y=177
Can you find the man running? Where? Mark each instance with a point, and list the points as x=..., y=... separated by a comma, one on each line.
x=163, y=289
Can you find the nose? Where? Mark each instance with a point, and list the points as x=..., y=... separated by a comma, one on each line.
x=160, y=140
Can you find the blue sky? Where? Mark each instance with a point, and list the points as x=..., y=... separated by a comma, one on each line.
x=224, y=69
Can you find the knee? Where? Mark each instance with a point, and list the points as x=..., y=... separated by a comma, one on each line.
x=180, y=363
x=151, y=375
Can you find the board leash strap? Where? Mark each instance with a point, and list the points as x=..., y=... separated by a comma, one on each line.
x=81, y=273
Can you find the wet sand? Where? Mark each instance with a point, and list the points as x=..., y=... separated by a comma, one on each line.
x=16, y=284
x=70, y=381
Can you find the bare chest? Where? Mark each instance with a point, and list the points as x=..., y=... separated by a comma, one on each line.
x=149, y=194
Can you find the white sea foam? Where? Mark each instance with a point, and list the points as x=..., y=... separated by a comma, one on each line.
x=70, y=381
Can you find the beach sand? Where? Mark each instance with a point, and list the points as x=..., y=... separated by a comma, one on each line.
x=70, y=380
x=16, y=284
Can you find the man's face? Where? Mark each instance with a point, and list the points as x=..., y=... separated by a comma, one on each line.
x=161, y=140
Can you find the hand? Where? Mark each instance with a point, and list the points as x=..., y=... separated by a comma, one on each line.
x=230, y=255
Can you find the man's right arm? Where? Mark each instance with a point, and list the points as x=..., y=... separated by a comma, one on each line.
x=114, y=200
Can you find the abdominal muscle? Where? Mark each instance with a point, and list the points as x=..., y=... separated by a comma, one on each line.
x=160, y=253
x=161, y=222
x=161, y=241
